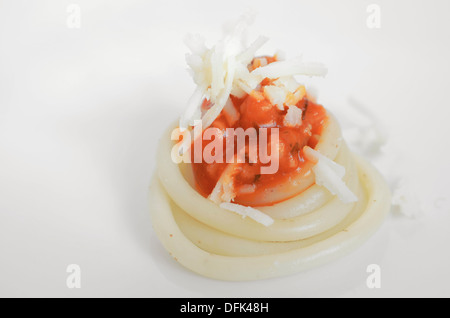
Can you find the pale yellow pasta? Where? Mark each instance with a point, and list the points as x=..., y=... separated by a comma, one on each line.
x=350, y=233
x=309, y=229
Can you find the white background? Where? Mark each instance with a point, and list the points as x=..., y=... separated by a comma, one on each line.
x=81, y=111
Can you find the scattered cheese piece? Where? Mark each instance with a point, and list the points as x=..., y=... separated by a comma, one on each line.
x=230, y=112
x=406, y=198
x=224, y=189
x=249, y=53
x=276, y=95
x=290, y=67
x=294, y=98
x=245, y=211
x=222, y=192
x=247, y=188
x=293, y=117
x=329, y=174
x=216, y=193
x=280, y=55
x=288, y=82
x=192, y=110
x=223, y=70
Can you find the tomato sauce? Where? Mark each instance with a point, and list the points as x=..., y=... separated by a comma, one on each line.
x=256, y=112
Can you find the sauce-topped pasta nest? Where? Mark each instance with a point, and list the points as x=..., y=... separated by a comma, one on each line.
x=255, y=180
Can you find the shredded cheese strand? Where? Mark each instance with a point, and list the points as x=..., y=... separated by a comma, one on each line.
x=329, y=174
x=245, y=211
x=222, y=70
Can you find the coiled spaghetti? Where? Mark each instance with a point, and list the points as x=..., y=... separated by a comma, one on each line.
x=310, y=229
x=232, y=220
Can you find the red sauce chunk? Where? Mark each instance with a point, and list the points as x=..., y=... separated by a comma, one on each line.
x=255, y=111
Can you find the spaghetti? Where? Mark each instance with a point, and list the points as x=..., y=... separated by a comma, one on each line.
x=229, y=221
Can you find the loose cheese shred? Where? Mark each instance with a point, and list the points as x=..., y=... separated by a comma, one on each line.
x=276, y=95
x=329, y=174
x=222, y=70
x=224, y=188
x=289, y=68
x=293, y=117
x=245, y=211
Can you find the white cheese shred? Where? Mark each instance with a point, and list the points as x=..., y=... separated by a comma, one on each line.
x=223, y=70
x=293, y=117
x=247, y=211
x=288, y=68
x=224, y=189
x=329, y=174
x=276, y=95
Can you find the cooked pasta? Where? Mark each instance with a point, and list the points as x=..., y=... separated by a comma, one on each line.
x=227, y=219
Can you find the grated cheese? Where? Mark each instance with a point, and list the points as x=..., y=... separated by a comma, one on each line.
x=293, y=117
x=288, y=82
x=222, y=70
x=289, y=68
x=245, y=211
x=230, y=111
x=329, y=174
x=224, y=189
x=276, y=95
